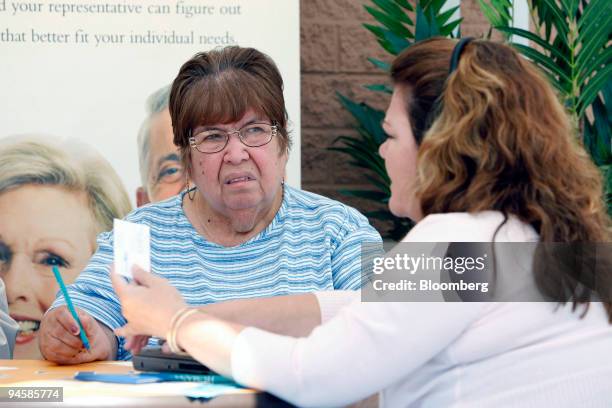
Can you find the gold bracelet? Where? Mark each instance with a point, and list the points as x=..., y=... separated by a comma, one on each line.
x=172, y=324
x=173, y=321
x=178, y=318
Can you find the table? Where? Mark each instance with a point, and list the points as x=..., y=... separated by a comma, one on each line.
x=39, y=373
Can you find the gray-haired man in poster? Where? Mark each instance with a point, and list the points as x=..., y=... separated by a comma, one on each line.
x=160, y=166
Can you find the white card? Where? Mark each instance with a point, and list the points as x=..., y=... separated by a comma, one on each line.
x=131, y=247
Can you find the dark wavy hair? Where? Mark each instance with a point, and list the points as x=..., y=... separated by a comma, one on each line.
x=493, y=135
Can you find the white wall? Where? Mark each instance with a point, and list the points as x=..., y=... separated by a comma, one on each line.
x=96, y=91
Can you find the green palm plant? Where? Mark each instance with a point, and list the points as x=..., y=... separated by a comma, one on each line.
x=400, y=24
x=571, y=45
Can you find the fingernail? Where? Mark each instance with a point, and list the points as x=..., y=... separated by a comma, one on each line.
x=75, y=330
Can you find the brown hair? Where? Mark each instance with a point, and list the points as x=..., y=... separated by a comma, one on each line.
x=219, y=86
x=494, y=136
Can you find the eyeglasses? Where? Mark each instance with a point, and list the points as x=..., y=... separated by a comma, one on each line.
x=215, y=140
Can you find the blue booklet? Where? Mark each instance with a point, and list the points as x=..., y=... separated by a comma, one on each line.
x=152, y=377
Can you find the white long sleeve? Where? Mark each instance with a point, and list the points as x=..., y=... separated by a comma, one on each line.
x=331, y=302
x=438, y=354
x=359, y=352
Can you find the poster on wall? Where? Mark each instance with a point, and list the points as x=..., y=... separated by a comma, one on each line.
x=78, y=80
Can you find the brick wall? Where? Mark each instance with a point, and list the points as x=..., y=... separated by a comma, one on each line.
x=334, y=47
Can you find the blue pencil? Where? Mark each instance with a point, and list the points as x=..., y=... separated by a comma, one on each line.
x=73, y=312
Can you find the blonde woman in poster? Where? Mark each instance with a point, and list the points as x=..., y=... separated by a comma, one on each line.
x=54, y=199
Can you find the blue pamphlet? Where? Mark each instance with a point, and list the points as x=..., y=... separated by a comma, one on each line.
x=114, y=378
x=151, y=377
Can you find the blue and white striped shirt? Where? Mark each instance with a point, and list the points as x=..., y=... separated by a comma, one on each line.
x=313, y=243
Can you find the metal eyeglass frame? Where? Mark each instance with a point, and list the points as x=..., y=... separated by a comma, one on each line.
x=273, y=132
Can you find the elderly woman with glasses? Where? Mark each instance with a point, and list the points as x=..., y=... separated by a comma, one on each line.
x=239, y=232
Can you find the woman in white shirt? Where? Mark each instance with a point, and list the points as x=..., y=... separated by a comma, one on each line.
x=483, y=153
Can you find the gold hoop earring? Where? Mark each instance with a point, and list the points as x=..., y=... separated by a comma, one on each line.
x=189, y=191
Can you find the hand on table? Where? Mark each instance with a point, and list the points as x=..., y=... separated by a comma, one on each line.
x=60, y=342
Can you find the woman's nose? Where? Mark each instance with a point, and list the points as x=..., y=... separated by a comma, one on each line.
x=17, y=280
x=235, y=151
